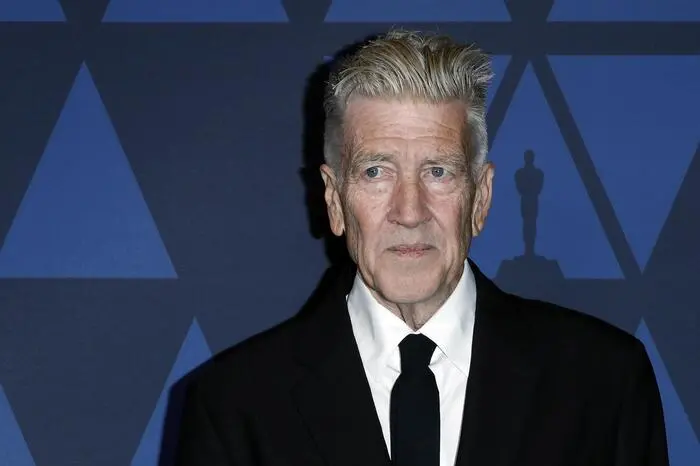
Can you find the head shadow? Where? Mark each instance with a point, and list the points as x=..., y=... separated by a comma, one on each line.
x=312, y=158
x=314, y=119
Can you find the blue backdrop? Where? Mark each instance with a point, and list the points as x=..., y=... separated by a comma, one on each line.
x=159, y=193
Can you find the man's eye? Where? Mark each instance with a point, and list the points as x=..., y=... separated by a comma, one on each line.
x=437, y=172
x=372, y=172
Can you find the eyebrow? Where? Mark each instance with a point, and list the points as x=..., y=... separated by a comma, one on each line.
x=362, y=158
x=450, y=158
x=453, y=159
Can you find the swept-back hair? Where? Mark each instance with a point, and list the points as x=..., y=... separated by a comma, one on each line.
x=403, y=64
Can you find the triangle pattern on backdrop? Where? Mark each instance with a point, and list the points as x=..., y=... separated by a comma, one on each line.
x=196, y=11
x=31, y=10
x=193, y=352
x=13, y=446
x=625, y=10
x=641, y=148
x=499, y=63
x=83, y=215
x=568, y=228
x=372, y=11
x=683, y=445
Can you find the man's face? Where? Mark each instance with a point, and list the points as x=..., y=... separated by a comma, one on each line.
x=407, y=204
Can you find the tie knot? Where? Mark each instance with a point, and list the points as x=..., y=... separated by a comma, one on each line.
x=416, y=351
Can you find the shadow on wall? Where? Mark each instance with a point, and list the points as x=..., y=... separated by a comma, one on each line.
x=340, y=263
x=313, y=158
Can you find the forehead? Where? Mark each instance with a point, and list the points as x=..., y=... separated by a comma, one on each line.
x=374, y=120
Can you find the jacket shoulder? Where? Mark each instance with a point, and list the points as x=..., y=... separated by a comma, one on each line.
x=578, y=337
x=249, y=367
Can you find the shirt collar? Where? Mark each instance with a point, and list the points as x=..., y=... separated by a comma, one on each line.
x=378, y=331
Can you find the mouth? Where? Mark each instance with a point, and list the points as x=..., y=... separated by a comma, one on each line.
x=411, y=250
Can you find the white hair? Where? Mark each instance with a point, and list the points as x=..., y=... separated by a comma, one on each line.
x=403, y=64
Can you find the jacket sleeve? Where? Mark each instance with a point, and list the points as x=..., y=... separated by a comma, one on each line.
x=198, y=442
x=641, y=435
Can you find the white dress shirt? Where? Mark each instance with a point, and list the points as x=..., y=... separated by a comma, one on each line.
x=378, y=333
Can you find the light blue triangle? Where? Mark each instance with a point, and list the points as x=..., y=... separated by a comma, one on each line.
x=370, y=11
x=13, y=446
x=568, y=228
x=83, y=215
x=193, y=352
x=638, y=118
x=683, y=445
x=625, y=10
x=31, y=10
x=196, y=11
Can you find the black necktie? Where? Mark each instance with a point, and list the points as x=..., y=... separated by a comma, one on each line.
x=415, y=407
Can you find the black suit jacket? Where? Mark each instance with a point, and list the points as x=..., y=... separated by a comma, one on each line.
x=547, y=386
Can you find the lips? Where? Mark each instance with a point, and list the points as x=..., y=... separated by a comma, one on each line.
x=412, y=250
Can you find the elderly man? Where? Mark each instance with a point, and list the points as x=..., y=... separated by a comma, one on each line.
x=418, y=359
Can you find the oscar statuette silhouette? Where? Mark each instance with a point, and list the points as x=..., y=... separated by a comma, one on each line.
x=530, y=274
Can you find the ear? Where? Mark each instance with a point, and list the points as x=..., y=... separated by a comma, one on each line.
x=482, y=198
x=332, y=197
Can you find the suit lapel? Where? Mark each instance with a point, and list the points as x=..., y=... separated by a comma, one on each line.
x=502, y=380
x=335, y=401
x=334, y=397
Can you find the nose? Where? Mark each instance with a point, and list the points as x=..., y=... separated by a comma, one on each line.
x=409, y=207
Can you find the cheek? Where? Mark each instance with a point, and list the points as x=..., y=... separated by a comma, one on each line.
x=364, y=222
x=368, y=222
x=453, y=216
x=368, y=208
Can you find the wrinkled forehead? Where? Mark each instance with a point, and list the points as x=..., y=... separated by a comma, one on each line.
x=375, y=124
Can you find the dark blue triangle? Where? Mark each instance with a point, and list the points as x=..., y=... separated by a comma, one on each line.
x=83, y=214
x=625, y=10
x=31, y=10
x=193, y=352
x=13, y=446
x=641, y=145
x=499, y=63
x=196, y=11
x=683, y=445
x=416, y=10
x=568, y=228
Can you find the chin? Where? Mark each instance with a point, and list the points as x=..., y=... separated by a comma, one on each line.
x=401, y=286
